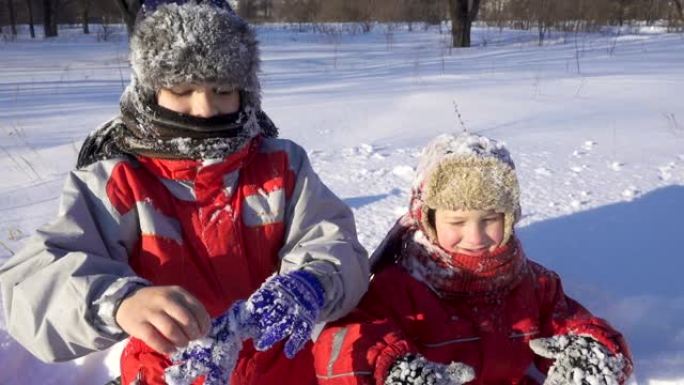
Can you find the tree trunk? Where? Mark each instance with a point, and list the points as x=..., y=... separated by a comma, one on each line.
x=680, y=8
x=29, y=5
x=462, y=13
x=129, y=10
x=85, y=15
x=12, y=17
x=267, y=9
x=49, y=18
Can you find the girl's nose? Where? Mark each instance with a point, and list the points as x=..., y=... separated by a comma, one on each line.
x=474, y=235
x=203, y=105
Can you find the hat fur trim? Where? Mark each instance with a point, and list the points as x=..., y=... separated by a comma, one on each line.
x=195, y=43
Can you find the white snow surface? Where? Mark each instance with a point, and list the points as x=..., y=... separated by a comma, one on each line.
x=594, y=122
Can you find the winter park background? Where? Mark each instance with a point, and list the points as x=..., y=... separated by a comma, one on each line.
x=595, y=123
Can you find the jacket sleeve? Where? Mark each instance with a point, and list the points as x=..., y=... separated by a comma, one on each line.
x=321, y=238
x=360, y=348
x=563, y=315
x=59, y=292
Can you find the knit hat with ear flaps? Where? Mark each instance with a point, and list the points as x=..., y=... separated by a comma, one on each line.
x=467, y=172
x=192, y=41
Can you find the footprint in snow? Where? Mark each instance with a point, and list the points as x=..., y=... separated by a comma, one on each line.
x=577, y=203
x=666, y=171
x=543, y=171
x=630, y=193
x=360, y=151
x=616, y=166
x=583, y=199
x=405, y=172
x=578, y=169
x=365, y=148
x=589, y=145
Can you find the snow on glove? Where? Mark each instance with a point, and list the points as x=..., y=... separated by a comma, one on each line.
x=213, y=356
x=285, y=306
x=415, y=369
x=579, y=360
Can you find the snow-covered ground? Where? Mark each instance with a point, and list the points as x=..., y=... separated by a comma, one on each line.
x=595, y=123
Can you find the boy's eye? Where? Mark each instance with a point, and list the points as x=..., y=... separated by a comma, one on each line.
x=457, y=223
x=180, y=91
x=224, y=91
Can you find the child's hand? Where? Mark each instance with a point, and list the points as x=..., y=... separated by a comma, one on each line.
x=416, y=369
x=213, y=356
x=285, y=307
x=163, y=317
x=579, y=360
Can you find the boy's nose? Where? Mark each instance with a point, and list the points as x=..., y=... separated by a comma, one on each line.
x=203, y=105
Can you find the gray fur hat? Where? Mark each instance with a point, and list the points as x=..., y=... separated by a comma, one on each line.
x=194, y=41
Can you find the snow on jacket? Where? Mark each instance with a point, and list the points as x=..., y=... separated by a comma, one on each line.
x=217, y=229
x=401, y=315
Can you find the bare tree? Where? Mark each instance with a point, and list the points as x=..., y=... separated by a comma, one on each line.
x=32, y=30
x=129, y=9
x=85, y=14
x=50, y=17
x=680, y=8
x=462, y=13
x=299, y=11
x=247, y=9
x=12, y=17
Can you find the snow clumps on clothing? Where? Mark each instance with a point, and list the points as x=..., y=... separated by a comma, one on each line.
x=580, y=360
x=414, y=369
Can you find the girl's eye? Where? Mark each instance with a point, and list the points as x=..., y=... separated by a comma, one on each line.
x=457, y=223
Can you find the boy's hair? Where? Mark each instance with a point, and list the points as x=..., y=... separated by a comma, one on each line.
x=467, y=172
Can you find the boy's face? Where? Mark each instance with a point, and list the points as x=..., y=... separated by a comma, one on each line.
x=470, y=232
x=200, y=100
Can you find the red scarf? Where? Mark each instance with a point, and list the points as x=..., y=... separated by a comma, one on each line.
x=454, y=274
x=451, y=274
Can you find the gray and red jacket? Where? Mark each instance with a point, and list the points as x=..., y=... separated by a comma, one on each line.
x=218, y=230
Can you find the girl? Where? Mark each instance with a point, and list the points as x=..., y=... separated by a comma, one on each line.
x=454, y=299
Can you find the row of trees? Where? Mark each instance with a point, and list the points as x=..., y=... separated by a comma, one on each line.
x=541, y=14
x=50, y=13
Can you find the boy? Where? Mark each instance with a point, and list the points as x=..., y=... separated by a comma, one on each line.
x=181, y=206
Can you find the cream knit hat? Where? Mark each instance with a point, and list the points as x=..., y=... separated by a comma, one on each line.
x=467, y=172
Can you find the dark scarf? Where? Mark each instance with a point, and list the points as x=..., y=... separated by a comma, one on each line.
x=146, y=129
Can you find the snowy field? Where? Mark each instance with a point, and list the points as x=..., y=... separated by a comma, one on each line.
x=595, y=123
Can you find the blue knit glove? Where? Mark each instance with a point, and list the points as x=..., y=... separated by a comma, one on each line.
x=285, y=306
x=213, y=356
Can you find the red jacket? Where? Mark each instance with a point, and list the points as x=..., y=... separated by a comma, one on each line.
x=215, y=257
x=401, y=315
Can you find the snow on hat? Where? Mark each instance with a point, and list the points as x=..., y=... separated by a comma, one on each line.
x=471, y=172
x=191, y=41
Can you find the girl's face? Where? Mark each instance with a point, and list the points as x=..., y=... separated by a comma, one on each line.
x=200, y=100
x=470, y=232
